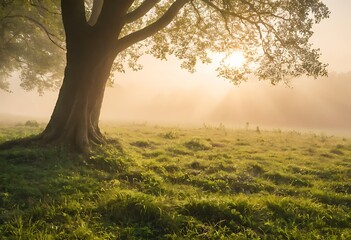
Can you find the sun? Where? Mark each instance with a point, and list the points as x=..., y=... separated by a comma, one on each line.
x=235, y=59
x=232, y=59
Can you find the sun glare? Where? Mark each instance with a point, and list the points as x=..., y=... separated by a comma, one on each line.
x=236, y=59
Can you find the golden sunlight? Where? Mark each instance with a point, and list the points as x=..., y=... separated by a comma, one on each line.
x=235, y=59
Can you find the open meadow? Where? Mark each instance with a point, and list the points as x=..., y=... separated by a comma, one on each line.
x=154, y=182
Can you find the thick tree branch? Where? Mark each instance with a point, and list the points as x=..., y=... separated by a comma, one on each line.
x=144, y=8
x=73, y=16
x=95, y=13
x=151, y=29
x=111, y=20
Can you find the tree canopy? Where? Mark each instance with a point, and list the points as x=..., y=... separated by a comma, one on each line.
x=273, y=35
x=27, y=31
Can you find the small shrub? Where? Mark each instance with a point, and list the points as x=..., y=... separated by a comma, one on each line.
x=170, y=135
x=171, y=168
x=30, y=123
x=255, y=169
x=337, y=151
x=196, y=165
x=197, y=145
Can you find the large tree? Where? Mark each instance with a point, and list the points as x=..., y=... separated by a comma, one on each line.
x=106, y=35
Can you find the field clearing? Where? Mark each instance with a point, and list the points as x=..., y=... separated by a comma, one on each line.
x=154, y=182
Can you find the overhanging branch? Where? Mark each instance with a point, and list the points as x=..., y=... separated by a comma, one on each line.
x=151, y=29
x=97, y=6
x=144, y=8
x=110, y=20
x=73, y=17
x=52, y=37
x=225, y=12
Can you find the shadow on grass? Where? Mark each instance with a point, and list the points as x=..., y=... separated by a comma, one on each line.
x=48, y=193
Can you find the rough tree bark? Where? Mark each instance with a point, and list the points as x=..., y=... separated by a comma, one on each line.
x=76, y=115
x=90, y=55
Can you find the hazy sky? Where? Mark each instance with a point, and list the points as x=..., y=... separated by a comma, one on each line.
x=162, y=92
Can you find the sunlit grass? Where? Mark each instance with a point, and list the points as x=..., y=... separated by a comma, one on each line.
x=158, y=182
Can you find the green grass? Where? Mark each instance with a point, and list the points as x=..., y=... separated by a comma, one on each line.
x=179, y=183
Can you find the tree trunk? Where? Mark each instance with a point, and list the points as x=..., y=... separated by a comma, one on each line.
x=75, y=119
x=90, y=54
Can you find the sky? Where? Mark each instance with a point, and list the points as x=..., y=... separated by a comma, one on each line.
x=164, y=93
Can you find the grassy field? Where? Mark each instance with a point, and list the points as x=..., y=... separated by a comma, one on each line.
x=157, y=182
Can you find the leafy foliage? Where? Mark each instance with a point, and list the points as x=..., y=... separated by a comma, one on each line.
x=26, y=28
x=273, y=35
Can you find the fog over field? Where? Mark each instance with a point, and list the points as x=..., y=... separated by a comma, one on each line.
x=322, y=104
x=164, y=93
x=308, y=103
